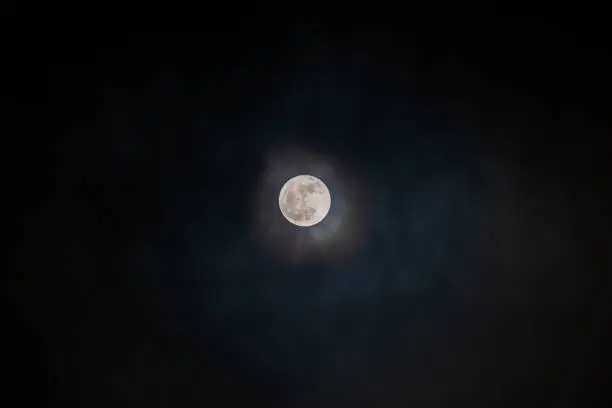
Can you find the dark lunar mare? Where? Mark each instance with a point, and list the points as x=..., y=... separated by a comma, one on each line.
x=297, y=210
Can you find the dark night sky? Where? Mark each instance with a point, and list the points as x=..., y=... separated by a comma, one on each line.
x=468, y=264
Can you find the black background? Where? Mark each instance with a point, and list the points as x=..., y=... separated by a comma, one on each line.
x=483, y=280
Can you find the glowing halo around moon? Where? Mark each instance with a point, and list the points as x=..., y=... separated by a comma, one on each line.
x=339, y=226
x=304, y=200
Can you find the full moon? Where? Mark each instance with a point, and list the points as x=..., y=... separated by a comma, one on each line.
x=304, y=200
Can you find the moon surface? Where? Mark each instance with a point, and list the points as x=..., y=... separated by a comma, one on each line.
x=304, y=200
